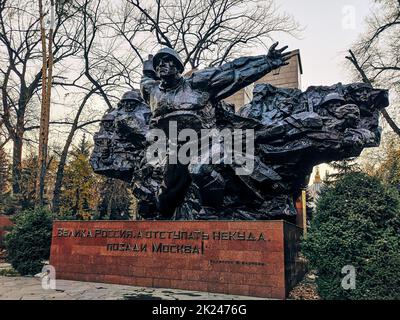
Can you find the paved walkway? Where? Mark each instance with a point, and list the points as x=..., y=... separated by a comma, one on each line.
x=30, y=288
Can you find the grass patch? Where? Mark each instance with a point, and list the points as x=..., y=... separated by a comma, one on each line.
x=9, y=273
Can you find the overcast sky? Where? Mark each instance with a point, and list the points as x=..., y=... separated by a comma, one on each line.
x=330, y=28
x=328, y=34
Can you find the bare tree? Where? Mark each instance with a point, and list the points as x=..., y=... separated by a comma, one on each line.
x=20, y=78
x=202, y=31
x=376, y=56
x=102, y=73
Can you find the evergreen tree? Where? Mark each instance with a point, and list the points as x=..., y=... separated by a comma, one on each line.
x=357, y=223
x=28, y=243
x=5, y=194
x=116, y=200
x=341, y=168
x=80, y=195
x=83, y=147
x=27, y=196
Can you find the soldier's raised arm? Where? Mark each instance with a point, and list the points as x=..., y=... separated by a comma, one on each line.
x=221, y=82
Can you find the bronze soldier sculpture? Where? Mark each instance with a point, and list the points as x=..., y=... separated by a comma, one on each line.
x=192, y=101
x=294, y=131
x=169, y=94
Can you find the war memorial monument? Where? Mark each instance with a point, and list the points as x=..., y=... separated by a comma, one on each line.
x=215, y=188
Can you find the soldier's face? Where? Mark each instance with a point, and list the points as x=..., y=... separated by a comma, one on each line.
x=104, y=146
x=363, y=95
x=166, y=67
x=107, y=125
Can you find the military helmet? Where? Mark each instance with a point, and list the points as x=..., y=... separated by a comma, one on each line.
x=171, y=53
x=108, y=117
x=134, y=94
x=333, y=96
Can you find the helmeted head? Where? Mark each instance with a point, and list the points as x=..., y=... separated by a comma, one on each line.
x=107, y=121
x=333, y=97
x=367, y=97
x=133, y=95
x=167, y=63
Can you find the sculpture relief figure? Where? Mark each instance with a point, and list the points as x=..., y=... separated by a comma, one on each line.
x=102, y=158
x=121, y=140
x=293, y=132
x=192, y=102
x=173, y=96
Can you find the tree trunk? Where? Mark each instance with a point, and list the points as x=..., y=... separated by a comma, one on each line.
x=46, y=97
x=17, y=164
x=60, y=174
x=64, y=155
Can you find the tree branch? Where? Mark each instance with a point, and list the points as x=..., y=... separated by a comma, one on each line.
x=352, y=58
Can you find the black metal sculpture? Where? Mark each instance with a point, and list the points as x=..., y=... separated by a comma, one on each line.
x=293, y=132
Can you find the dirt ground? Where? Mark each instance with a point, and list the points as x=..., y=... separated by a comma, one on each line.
x=306, y=289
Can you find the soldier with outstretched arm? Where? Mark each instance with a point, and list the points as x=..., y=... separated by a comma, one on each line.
x=168, y=93
x=192, y=101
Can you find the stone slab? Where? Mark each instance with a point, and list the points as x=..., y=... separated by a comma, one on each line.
x=253, y=258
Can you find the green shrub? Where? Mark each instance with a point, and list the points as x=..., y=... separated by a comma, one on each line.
x=28, y=243
x=357, y=222
x=8, y=273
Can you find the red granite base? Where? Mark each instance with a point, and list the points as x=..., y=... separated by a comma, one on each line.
x=257, y=258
